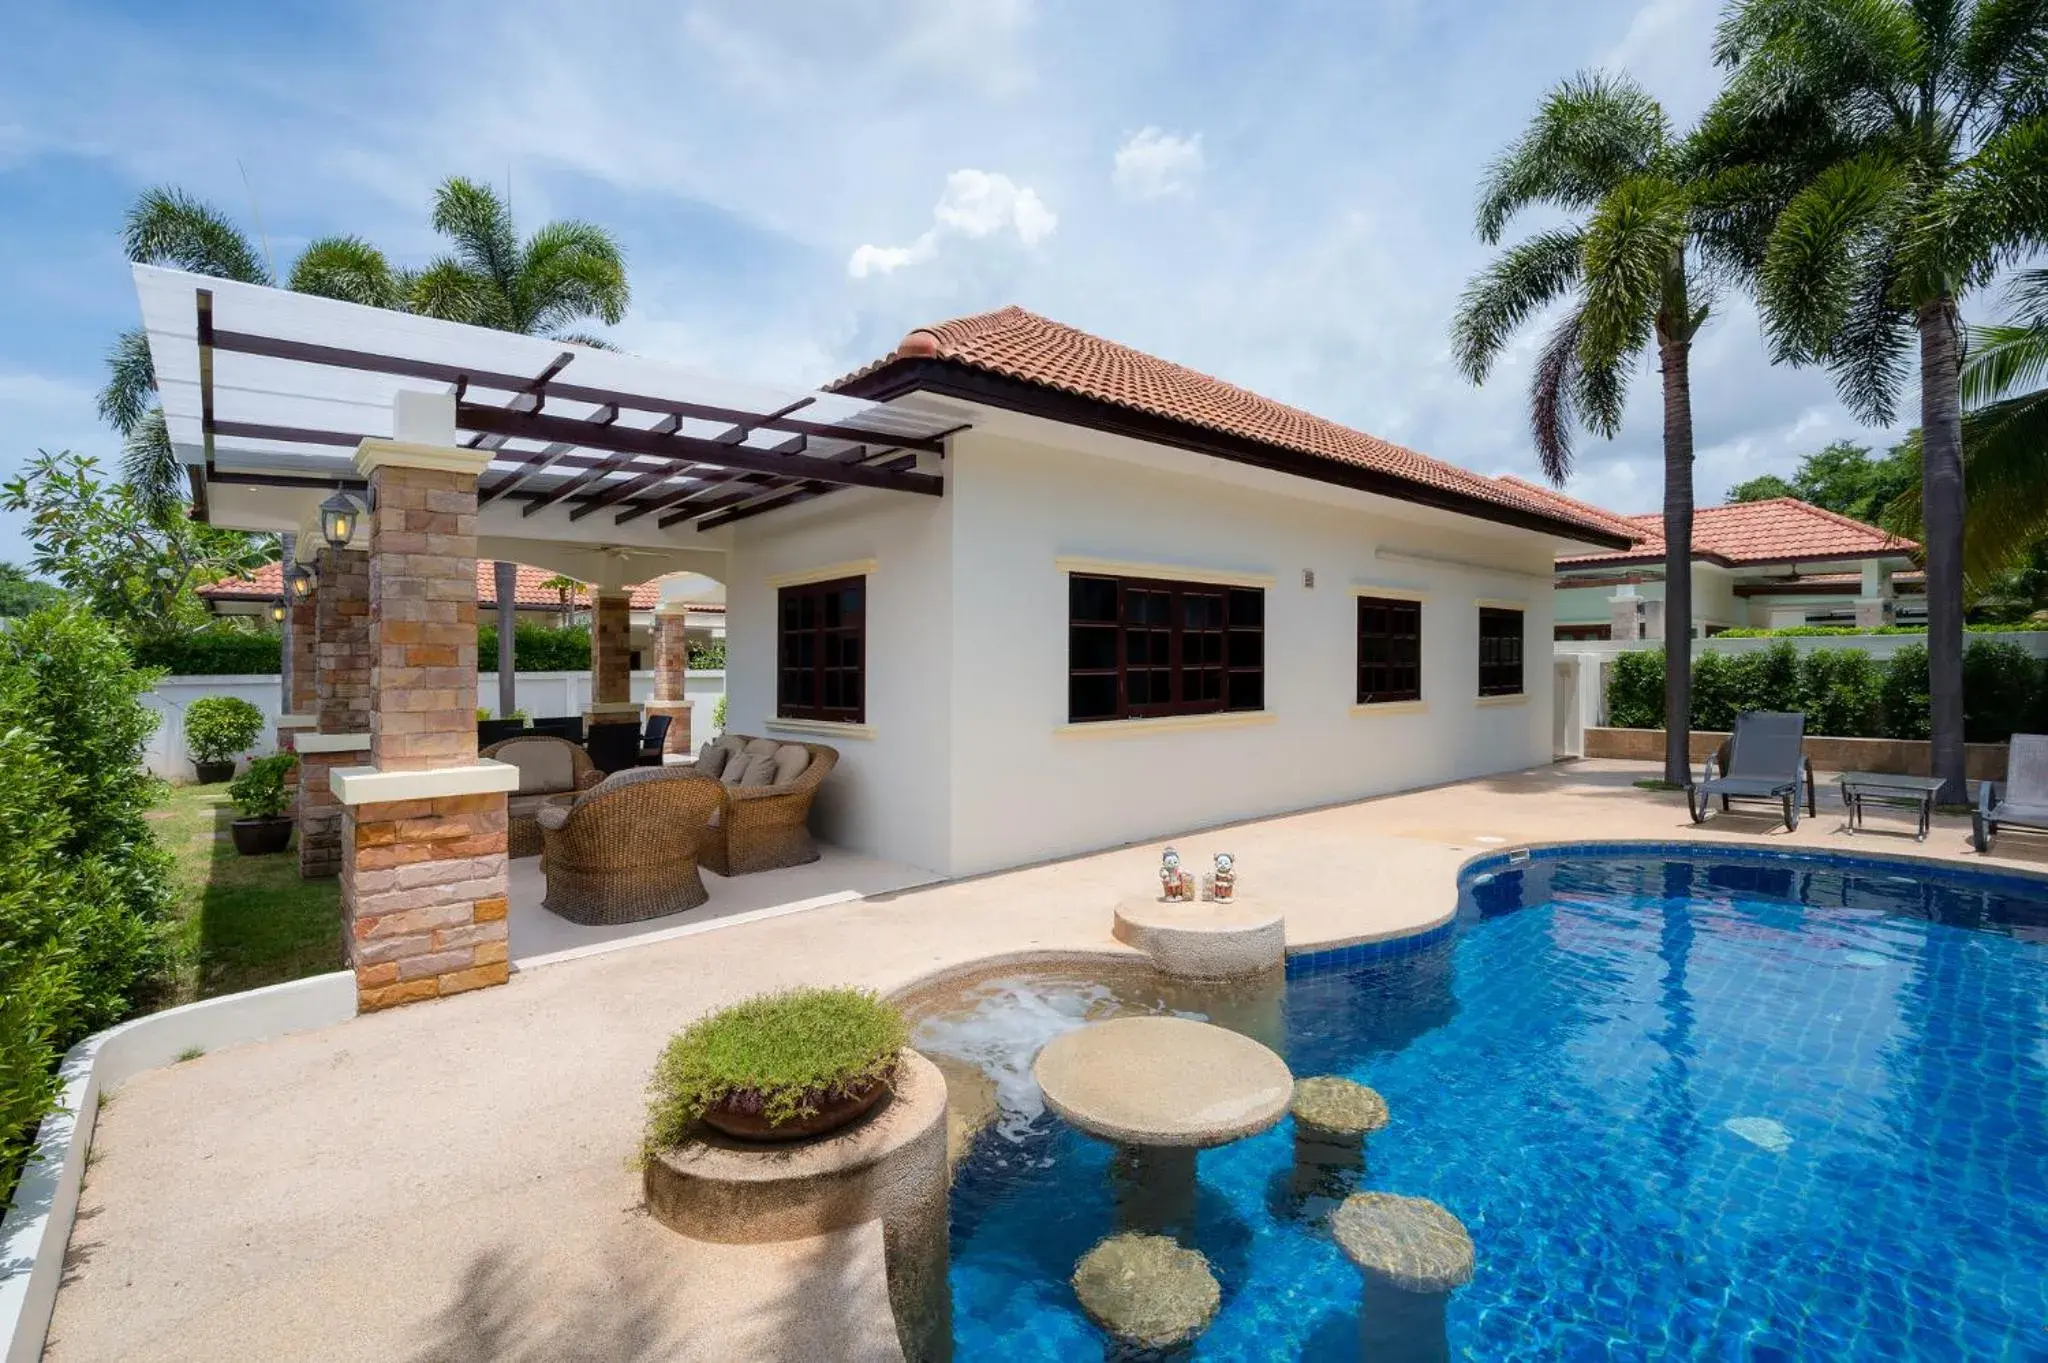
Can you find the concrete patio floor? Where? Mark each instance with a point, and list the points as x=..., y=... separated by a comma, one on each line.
x=453, y=1180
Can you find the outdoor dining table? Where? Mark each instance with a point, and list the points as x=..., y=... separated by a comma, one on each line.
x=1860, y=788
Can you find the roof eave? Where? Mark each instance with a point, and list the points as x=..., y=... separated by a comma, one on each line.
x=951, y=378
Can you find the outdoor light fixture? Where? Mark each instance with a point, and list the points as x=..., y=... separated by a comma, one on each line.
x=277, y=610
x=338, y=519
x=300, y=580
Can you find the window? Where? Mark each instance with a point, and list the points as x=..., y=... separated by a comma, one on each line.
x=1137, y=648
x=821, y=651
x=1500, y=651
x=1389, y=650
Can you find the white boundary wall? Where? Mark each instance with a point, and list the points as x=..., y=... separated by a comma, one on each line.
x=541, y=694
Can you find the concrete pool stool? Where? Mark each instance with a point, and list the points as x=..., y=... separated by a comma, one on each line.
x=1147, y=1290
x=1332, y=1118
x=1413, y=1254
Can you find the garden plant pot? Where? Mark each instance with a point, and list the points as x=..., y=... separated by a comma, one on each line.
x=261, y=837
x=213, y=773
x=832, y=1115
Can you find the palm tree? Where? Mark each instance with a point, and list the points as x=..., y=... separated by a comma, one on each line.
x=1914, y=140
x=1631, y=272
x=166, y=226
x=2005, y=437
x=565, y=272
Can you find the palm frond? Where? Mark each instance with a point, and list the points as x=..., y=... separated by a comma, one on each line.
x=1818, y=252
x=2006, y=484
x=1524, y=280
x=2003, y=58
x=1861, y=57
x=1591, y=132
x=478, y=222
x=2002, y=360
x=130, y=390
x=347, y=268
x=1872, y=350
x=1992, y=212
x=570, y=270
x=453, y=292
x=583, y=338
x=167, y=226
x=1553, y=396
x=150, y=466
x=1634, y=243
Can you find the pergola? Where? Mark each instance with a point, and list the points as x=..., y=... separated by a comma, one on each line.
x=453, y=442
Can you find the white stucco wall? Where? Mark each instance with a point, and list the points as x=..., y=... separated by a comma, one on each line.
x=966, y=761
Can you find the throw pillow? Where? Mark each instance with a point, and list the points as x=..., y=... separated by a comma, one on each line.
x=735, y=769
x=711, y=759
x=790, y=761
x=760, y=771
x=762, y=747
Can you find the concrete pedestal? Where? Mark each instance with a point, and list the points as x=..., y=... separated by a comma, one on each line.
x=1203, y=941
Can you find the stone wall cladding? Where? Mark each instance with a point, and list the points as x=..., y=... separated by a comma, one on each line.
x=303, y=697
x=611, y=657
x=671, y=668
x=320, y=814
x=424, y=888
x=341, y=649
x=422, y=619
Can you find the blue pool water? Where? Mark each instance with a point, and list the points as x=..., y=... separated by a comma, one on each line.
x=1713, y=1108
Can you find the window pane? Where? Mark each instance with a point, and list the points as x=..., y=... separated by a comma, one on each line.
x=1091, y=598
x=1247, y=607
x=1247, y=648
x=1091, y=697
x=1247, y=691
x=1090, y=647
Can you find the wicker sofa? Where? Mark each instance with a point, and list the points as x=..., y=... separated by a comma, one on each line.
x=759, y=827
x=548, y=767
x=626, y=850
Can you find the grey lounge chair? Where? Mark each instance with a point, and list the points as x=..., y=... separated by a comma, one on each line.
x=2021, y=800
x=1762, y=760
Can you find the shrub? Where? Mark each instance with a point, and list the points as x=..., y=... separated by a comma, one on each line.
x=781, y=1055
x=221, y=727
x=1717, y=682
x=260, y=792
x=718, y=715
x=1841, y=693
x=1770, y=678
x=537, y=648
x=214, y=652
x=1902, y=694
x=1635, y=691
x=2001, y=683
x=708, y=656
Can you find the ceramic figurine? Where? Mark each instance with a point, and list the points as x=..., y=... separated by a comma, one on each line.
x=1174, y=883
x=1223, y=880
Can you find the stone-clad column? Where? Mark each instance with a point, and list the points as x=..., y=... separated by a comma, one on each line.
x=341, y=703
x=671, y=669
x=611, y=657
x=423, y=886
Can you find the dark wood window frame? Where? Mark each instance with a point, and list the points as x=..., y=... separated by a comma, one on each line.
x=821, y=651
x=1501, y=650
x=1389, y=650
x=1146, y=648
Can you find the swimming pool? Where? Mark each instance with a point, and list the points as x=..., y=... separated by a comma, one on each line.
x=1688, y=1105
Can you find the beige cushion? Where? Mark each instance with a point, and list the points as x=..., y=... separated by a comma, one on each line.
x=711, y=759
x=546, y=765
x=760, y=770
x=736, y=770
x=790, y=761
x=733, y=742
x=762, y=747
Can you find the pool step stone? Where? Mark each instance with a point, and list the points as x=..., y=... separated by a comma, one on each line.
x=1147, y=1290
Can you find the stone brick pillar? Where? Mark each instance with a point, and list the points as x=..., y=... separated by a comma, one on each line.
x=423, y=888
x=671, y=668
x=341, y=703
x=302, y=696
x=611, y=658
x=1623, y=621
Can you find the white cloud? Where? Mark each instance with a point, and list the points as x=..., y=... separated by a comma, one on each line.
x=1152, y=163
x=975, y=204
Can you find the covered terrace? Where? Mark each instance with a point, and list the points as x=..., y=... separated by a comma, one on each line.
x=401, y=449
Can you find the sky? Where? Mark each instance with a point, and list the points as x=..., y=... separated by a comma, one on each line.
x=1276, y=193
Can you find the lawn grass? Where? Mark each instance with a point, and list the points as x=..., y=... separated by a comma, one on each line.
x=243, y=922
x=1656, y=783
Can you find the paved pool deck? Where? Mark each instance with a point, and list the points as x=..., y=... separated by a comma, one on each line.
x=454, y=1180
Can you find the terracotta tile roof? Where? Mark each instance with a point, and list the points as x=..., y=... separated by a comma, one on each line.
x=1778, y=530
x=1023, y=346
x=268, y=583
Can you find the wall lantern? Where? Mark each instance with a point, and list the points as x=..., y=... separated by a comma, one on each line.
x=338, y=519
x=277, y=611
x=299, y=581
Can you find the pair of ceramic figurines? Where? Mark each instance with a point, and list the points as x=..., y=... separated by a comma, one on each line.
x=1178, y=886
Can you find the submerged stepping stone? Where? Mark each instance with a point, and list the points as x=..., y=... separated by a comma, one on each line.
x=1338, y=1107
x=1405, y=1242
x=1147, y=1290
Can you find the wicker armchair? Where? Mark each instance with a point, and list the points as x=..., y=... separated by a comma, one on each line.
x=538, y=786
x=626, y=850
x=759, y=828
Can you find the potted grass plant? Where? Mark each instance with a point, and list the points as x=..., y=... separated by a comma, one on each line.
x=778, y=1067
x=217, y=730
x=262, y=795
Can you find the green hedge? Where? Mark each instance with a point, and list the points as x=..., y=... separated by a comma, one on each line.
x=1843, y=692
x=85, y=890
x=1837, y=631
x=536, y=648
x=214, y=652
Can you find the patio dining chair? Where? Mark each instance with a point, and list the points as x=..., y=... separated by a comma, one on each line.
x=1763, y=760
x=654, y=740
x=2021, y=799
x=613, y=747
x=561, y=726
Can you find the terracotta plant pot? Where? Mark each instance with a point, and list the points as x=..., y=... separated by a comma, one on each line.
x=832, y=1115
x=213, y=773
x=261, y=837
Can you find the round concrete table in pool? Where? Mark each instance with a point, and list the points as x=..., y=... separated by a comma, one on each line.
x=1158, y=1081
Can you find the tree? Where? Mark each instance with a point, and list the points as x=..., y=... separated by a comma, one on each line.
x=2005, y=440
x=1631, y=272
x=1905, y=145
x=1761, y=488
x=1843, y=477
x=167, y=226
x=106, y=548
x=21, y=594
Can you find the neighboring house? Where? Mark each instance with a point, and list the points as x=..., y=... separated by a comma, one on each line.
x=536, y=602
x=1766, y=565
